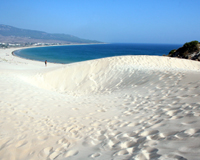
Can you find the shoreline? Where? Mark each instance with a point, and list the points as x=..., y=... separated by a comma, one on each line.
x=132, y=52
x=21, y=48
x=140, y=64
x=127, y=107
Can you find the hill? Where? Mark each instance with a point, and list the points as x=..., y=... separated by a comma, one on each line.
x=190, y=50
x=13, y=34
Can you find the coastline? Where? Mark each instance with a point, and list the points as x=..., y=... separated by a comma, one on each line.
x=73, y=44
x=92, y=52
x=124, y=107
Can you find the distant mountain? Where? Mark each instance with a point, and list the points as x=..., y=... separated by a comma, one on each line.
x=12, y=34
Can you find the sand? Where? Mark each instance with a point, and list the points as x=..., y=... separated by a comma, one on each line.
x=129, y=107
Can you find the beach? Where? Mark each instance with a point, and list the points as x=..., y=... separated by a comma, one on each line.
x=124, y=107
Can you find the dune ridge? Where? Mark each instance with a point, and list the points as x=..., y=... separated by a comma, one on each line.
x=129, y=107
x=108, y=74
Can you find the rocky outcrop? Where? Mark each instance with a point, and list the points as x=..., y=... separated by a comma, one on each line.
x=190, y=50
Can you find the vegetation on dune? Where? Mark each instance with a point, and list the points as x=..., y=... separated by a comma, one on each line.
x=190, y=50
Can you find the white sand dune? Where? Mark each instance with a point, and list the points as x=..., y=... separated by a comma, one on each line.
x=129, y=107
x=107, y=74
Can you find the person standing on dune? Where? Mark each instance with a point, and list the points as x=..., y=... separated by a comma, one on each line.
x=45, y=63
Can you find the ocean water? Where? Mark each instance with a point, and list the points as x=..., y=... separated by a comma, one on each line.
x=77, y=53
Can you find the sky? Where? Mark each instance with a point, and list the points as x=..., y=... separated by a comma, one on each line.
x=111, y=21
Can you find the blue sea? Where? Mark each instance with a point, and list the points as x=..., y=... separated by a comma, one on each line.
x=76, y=53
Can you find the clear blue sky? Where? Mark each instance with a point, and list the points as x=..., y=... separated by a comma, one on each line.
x=132, y=21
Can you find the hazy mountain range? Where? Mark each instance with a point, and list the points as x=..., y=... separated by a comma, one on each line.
x=9, y=34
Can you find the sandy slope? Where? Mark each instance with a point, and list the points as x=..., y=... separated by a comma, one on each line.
x=130, y=107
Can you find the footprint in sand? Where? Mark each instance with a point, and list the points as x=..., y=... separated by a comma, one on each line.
x=101, y=110
x=90, y=142
x=46, y=151
x=124, y=124
x=42, y=138
x=54, y=155
x=181, y=135
x=71, y=153
x=150, y=132
x=133, y=124
x=121, y=152
x=128, y=144
x=64, y=142
x=4, y=143
x=131, y=134
x=20, y=137
x=114, y=133
x=150, y=153
x=128, y=113
x=192, y=131
x=21, y=143
x=112, y=143
x=95, y=155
